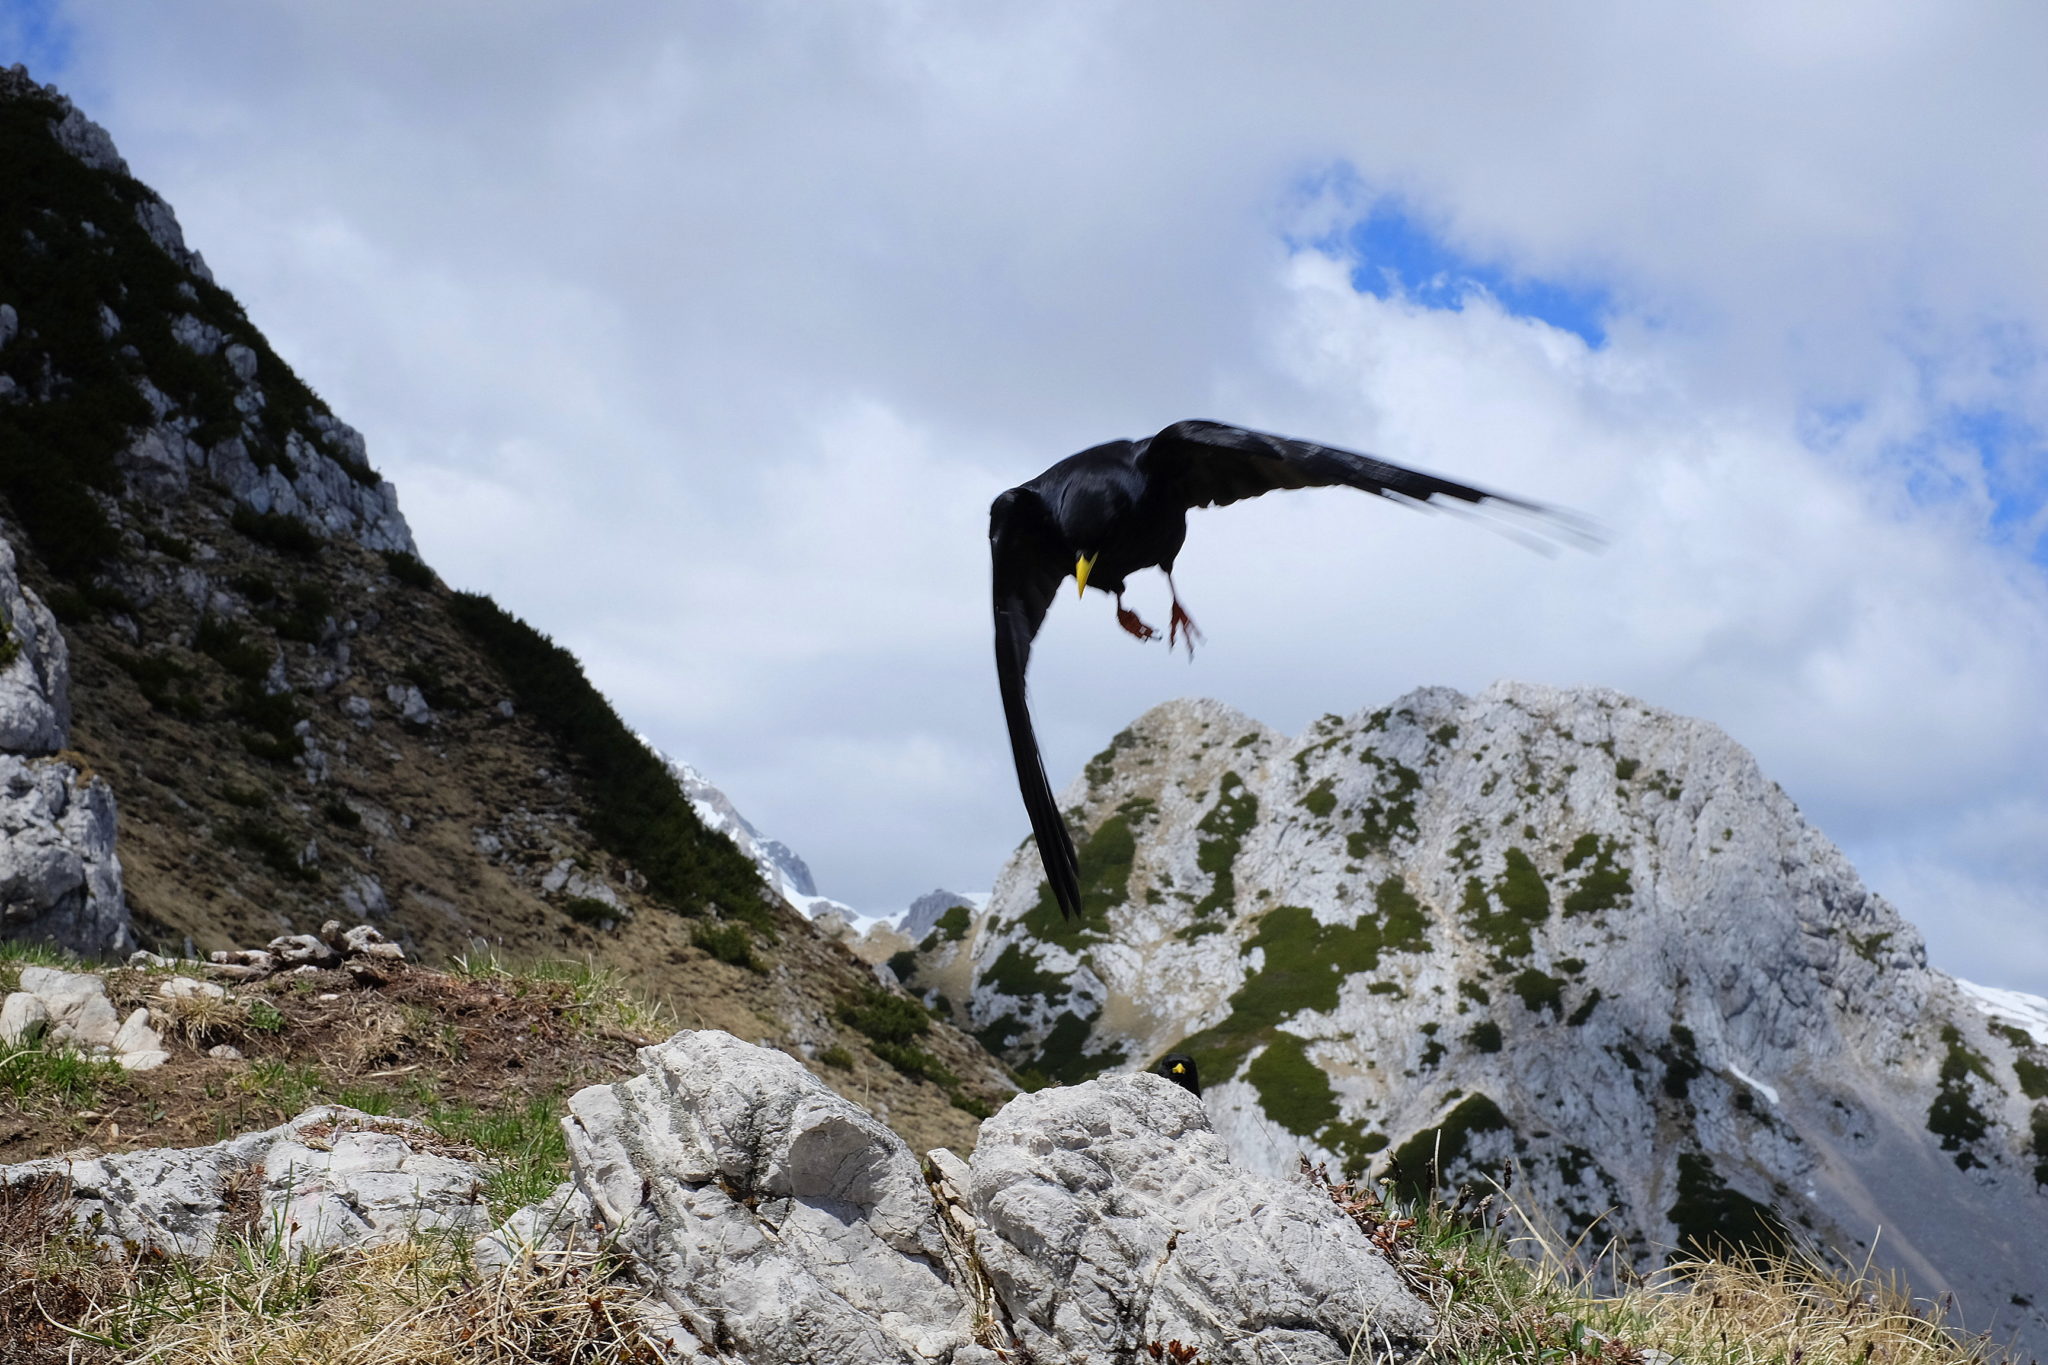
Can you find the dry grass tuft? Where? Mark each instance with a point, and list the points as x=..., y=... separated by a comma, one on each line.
x=1545, y=1305
x=1768, y=1310
x=417, y=1302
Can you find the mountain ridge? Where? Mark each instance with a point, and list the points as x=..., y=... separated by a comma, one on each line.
x=1550, y=925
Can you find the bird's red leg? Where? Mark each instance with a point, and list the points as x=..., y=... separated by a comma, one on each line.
x=1128, y=619
x=1180, y=626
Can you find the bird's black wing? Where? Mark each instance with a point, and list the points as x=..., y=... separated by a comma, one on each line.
x=1030, y=559
x=1210, y=464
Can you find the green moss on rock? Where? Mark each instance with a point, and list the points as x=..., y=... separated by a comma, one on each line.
x=1713, y=1218
x=1954, y=1116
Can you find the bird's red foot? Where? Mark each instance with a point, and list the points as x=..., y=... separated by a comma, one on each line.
x=1182, y=627
x=1130, y=621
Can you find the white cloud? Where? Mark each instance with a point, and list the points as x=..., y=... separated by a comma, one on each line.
x=701, y=336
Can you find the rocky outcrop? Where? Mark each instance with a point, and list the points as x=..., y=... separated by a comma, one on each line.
x=60, y=882
x=781, y=1223
x=59, y=879
x=1554, y=927
x=35, y=668
x=240, y=421
x=332, y=1177
x=778, y=1220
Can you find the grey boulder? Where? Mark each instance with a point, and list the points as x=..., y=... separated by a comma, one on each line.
x=779, y=1222
x=1113, y=1218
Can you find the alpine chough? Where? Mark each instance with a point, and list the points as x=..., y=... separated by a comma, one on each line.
x=1116, y=508
x=1179, y=1068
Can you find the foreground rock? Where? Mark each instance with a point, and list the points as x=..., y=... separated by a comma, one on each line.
x=780, y=1223
x=1112, y=1217
x=332, y=1177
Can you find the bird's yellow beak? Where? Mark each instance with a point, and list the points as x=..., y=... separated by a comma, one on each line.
x=1179, y=1067
x=1082, y=564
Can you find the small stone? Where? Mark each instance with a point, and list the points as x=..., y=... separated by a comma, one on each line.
x=143, y=1061
x=366, y=941
x=23, y=1019
x=136, y=1036
x=226, y=1052
x=305, y=949
x=179, y=987
x=255, y=958
x=145, y=958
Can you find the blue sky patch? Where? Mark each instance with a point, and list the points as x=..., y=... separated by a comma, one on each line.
x=33, y=34
x=1395, y=252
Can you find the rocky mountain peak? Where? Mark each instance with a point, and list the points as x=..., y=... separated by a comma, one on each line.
x=1553, y=926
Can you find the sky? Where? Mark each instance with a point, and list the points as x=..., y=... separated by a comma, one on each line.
x=701, y=335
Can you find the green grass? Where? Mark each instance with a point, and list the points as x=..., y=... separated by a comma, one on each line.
x=637, y=809
x=1603, y=886
x=56, y=1075
x=1305, y=964
x=1220, y=836
x=525, y=1145
x=1105, y=860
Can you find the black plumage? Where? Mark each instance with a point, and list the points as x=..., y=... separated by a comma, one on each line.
x=1116, y=508
x=1179, y=1068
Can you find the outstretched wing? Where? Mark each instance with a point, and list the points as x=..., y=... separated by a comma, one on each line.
x=1029, y=558
x=1211, y=464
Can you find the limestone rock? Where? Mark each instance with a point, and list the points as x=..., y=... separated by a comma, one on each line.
x=776, y=1219
x=330, y=1177
x=35, y=668
x=80, y=1014
x=24, y=1019
x=136, y=1036
x=1117, y=1219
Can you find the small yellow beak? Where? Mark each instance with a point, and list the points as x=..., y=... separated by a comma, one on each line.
x=1082, y=564
x=1178, y=1068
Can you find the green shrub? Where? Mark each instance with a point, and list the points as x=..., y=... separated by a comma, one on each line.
x=408, y=569
x=728, y=943
x=837, y=1057
x=885, y=1016
x=590, y=910
x=286, y=534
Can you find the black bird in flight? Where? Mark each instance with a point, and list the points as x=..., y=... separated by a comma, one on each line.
x=1116, y=508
